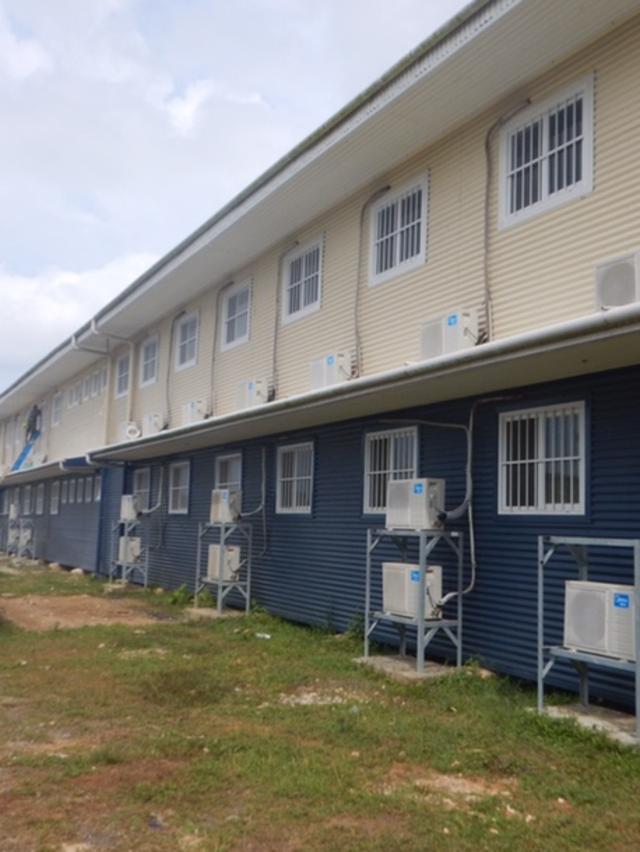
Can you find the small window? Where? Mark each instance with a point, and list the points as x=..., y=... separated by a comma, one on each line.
x=122, y=376
x=64, y=492
x=56, y=409
x=149, y=361
x=97, y=487
x=399, y=233
x=88, y=489
x=295, y=479
x=40, y=499
x=142, y=487
x=392, y=454
x=4, y=502
x=302, y=281
x=547, y=154
x=72, y=491
x=236, y=315
x=229, y=472
x=179, y=474
x=542, y=460
x=54, y=499
x=86, y=388
x=79, y=490
x=187, y=342
x=26, y=500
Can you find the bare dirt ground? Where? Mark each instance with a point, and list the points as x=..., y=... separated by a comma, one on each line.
x=46, y=612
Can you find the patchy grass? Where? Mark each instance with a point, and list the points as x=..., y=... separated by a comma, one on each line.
x=204, y=736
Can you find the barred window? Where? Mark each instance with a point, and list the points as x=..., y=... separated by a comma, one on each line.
x=399, y=233
x=40, y=498
x=295, y=479
x=54, y=499
x=142, y=487
x=392, y=454
x=548, y=154
x=542, y=460
x=302, y=282
x=179, y=476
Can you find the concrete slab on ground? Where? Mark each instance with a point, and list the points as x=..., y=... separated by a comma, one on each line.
x=617, y=726
x=206, y=613
x=403, y=669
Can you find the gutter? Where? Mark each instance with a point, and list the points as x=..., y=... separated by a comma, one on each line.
x=585, y=329
x=434, y=41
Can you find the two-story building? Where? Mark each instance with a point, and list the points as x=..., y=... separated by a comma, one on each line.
x=459, y=245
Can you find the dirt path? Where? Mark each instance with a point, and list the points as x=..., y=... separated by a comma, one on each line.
x=45, y=612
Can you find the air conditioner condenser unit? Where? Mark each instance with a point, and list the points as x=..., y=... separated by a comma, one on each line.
x=617, y=281
x=251, y=393
x=400, y=587
x=452, y=332
x=230, y=563
x=129, y=549
x=600, y=618
x=415, y=504
x=128, y=507
x=226, y=506
x=332, y=369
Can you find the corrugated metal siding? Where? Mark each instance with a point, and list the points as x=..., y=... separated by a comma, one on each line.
x=313, y=571
x=72, y=537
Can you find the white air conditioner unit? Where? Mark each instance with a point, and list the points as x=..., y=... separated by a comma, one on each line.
x=400, y=586
x=152, y=424
x=128, y=507
x=194, y=411
x=131, y=430
x=25, y=536
x=618, y=281
x=226, y=506
x=415, y=503
x=450, y=333
x=600, y=618
x=13, y=512
x=230, y=563
x=251, y=393
x=330, y=370
x=129, y=549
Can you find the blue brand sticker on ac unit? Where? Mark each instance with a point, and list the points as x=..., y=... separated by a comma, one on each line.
x=418, y=488
x=250, y=385
x=415, y=576
x=621, y=601
x=452, y=319
x=330, y=360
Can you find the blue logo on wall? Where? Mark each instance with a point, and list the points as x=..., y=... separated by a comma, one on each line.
x=621, y=601
x=330, y=360
x=415, y=576
x=418, y=488
x=452, y=319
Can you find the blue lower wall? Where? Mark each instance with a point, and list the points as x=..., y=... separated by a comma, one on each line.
x=311, y=568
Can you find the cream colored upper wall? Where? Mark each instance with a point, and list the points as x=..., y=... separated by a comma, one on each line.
x=540, y=271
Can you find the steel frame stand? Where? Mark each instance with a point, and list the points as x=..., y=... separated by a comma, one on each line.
x=426, y=628
x=223, y=587
x=548, y=655
x=127, y=571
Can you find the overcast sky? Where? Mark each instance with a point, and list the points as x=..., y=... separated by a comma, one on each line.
x=126, y=123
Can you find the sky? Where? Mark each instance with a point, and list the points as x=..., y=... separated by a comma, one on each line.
x=127, y=123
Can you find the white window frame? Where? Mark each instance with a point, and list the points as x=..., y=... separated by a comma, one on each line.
x=40, y=498
x=542, y=458
x=155, y=340
x=72, y=492
x=233, y=484
x=88, y=489
x=54, y=498
x=181, y=465
x=230, y=292
x=27, y=500
x=537, y=111
x=97, y=488
x=142, y=488
x=64, y=492
x=56, y=409
x=295, y=254
x=121, y=359
x=187, y=318
x=400, y=267
x=79, y=490
x=4, y=502
x=370, y=437
x=294, y=510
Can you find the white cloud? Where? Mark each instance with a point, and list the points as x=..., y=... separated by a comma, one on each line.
x=183, y=109
x=20, y=57
x=45, y=308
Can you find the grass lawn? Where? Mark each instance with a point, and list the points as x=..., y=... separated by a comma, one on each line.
x=205, y=736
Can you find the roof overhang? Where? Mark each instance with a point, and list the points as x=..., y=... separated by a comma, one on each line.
x=592, y=344
x=48, y=470
x=482, y=56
